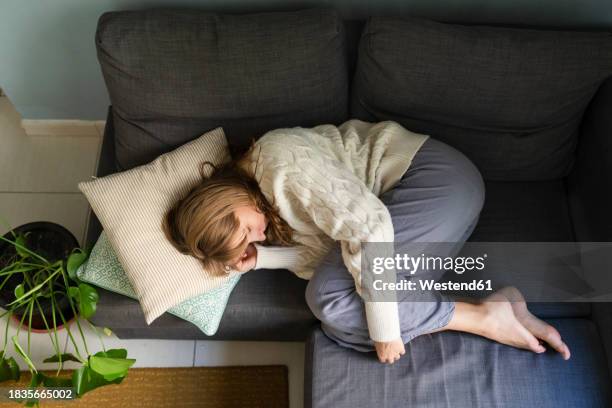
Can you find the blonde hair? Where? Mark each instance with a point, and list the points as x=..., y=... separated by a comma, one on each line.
x=203, y=223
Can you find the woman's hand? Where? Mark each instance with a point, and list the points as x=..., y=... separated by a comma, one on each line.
x=248, y=260
x=390, y=351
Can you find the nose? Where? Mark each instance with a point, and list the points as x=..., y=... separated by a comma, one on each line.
x=257, y=236
x=262, y=235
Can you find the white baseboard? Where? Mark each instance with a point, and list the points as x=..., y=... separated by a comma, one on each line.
x=86, y=128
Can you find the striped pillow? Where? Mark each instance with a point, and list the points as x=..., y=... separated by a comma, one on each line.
x=103, y=269
x=130, y=206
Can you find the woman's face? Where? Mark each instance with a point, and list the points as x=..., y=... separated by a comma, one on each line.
x=252, y=224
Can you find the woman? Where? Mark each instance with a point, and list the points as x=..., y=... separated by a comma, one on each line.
x=304, y=199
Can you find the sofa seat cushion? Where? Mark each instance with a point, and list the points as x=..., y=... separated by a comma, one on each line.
x=529, y=212
x=497, y=94
x=267, y=305
x=457, y=369
x=252, y=314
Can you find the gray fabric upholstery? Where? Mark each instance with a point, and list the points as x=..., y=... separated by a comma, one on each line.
x=510, y=99
x=174, y=74
x=525, y=212
x=590, y=197
x=529, y=212
x=253, y=314
x=457, y=369
x=602, y=317
x=106, y=166
x=264, y=305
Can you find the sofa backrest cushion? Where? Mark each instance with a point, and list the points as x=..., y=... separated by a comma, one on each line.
x=511, y=99
x=173, y=74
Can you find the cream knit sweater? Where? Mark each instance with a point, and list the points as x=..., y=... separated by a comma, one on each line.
x=326, y=182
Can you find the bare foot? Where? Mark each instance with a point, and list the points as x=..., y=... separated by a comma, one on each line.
x=501, y=324
x=503, y=316
x=536, y=326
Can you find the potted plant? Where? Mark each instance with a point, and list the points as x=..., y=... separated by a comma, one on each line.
x=39, y=286
x=50, y=241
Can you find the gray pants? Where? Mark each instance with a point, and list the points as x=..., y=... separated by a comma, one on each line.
x=438, y=199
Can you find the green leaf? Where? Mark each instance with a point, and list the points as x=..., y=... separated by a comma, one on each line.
x=23, y=354
x=15, y=370
x=74, y=292
x=9, y=370
x=85, y=379
x=56, y=381
x=19, y=291
x=21, y=241
x=37, y=379
x=81, y=382
x=74, y=261
x=34, y=289
x=110, y=368
x=113, y=353
x=65, y=357
x=87, y=299
x=33, y=402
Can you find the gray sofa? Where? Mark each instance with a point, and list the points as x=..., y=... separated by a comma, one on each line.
x=531, y=107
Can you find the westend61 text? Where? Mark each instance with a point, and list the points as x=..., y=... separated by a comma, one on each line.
x=431, y=284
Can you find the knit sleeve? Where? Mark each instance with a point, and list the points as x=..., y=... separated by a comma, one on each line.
x=343, y=207
x=280, y=257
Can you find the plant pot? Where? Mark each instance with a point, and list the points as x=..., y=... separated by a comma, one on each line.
x=51, y=241
x=38, y=324
x=24, y=326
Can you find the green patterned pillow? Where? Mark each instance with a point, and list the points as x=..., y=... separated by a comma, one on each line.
x=103, y=269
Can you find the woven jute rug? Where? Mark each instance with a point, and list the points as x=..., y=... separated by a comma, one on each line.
x=209, y=387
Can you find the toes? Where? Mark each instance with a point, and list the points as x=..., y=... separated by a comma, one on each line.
x=552, y=337
x=531, y=341
x=566, y=352
x=546, y=332
x=536, y=346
